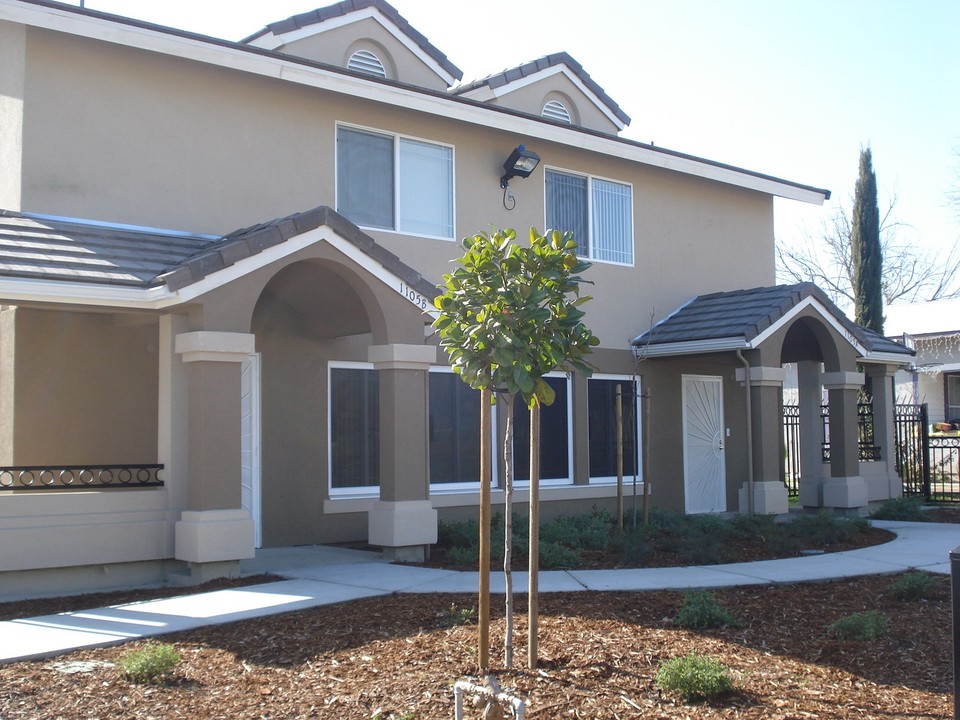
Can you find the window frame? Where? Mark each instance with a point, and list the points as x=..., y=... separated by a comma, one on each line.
x=354, y=491
x=590, y=255
x=638, y=421
x=552, y=482
x=396, y=139
x=452, y=488
x=947, y=378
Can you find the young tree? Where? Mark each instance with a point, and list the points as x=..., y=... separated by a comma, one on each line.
x=865, y=248
x=508, y=315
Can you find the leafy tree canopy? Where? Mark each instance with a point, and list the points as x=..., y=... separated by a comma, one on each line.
x=511, y=313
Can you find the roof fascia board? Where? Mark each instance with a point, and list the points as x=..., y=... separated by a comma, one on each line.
x=825, y=314
x=269, y=41
x=884, y=358
x=693, y=347
x=22, y=290
x=523, y=82
x=238, y=58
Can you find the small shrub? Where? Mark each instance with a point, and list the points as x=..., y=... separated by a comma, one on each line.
x=700, y=611
x=151, y=663
x=914, y=585
x=460, y=556
x=453, y=616
x=909, y=509
x=554, y=555
x=868, y=625
x=458, y=533
x=694, y=677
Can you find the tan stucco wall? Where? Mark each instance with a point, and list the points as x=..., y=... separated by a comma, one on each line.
x=337, y=45
x=12, y=66
x=86, y=389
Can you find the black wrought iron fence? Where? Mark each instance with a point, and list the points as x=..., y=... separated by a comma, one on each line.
x=79, y=477
x=944, y=466
x=910, y=423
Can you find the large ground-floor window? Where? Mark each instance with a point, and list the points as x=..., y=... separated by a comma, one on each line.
x=454, y=431
x=602, y=404
x=952, y=405
x=354, y=426
x=555, y=435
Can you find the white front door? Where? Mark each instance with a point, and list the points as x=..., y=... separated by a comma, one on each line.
x=250, y=441
x=704, y=471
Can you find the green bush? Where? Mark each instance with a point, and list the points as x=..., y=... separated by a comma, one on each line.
x=914, y=585
x=583, y=532
x=694, y=677
x=556, y=556
x=868, y=625
x=700, y=611
x=824, y=528
x=463, y=555
x=903, y=508
x=151, y=663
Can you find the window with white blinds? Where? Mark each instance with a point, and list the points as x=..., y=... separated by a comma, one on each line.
x=598, y=212
x=395, y=183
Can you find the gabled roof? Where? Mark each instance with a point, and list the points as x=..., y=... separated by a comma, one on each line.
x=341, y=10
x=39, y=253
x=501, y=82
x=742, y=319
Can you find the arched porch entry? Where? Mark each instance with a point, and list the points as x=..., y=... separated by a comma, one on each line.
x=763, y=328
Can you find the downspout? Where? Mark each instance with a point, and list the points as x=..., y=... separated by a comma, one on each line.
x=746, y=384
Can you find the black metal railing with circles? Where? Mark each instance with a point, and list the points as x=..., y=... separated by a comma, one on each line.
x=79, y=477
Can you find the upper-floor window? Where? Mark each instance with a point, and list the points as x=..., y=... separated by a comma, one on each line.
x=395, y=183
x=556, y=110
x=598, y=212
x=366, y=62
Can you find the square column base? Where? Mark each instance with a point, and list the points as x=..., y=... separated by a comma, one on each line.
x=404, y=529
x=212, y=536
x=845, y=493
x=769, y=498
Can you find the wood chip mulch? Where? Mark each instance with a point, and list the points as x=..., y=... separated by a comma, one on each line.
x=398, y=657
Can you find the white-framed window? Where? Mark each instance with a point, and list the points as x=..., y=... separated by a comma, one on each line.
x=602, y=427
x=556, y=110
x=393, y=182
x=454, y=433
x=353, y=428
x=556, y=435
x=366, y=62
x=952, y=405
x=599, y=213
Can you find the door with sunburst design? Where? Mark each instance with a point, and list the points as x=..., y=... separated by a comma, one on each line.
x=704, y=466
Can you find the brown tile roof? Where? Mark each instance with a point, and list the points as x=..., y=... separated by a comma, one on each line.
x=70, y=250
x=348, y=6
x=510, y=75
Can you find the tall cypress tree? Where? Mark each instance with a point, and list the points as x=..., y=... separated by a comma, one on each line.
x=865, y=248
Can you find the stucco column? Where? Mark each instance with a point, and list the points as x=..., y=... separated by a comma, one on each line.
x=845, y=489
x=766, y=402
x=403, y=522
x=214, y=533
x=811, y=433
x=884, y=482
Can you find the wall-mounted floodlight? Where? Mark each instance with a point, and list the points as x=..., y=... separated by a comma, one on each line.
x=521, y=163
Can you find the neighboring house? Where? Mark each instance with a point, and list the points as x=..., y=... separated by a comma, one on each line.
x=932, y=329
x=284, y=374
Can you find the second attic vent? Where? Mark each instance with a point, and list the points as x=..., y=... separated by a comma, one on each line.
x=366, y=62
x=556, y=110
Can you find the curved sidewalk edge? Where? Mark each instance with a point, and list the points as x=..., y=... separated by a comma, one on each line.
x=323, y=576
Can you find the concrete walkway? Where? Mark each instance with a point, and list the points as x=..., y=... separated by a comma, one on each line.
x=322, y=576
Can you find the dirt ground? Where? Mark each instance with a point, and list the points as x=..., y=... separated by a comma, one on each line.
x=398, y=657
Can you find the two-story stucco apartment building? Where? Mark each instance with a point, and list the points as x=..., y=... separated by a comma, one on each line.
x=216, y=257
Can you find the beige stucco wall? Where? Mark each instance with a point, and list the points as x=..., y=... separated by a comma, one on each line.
x=159, y=141
x=12, y=66
x=86, y=389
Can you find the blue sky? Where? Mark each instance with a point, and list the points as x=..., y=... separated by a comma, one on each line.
x=784, y=87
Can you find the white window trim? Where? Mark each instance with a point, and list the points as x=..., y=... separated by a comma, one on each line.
x=590, y=178
x=396, y=177
x=346, y=492
x=557, y=482
x=466, y=487
x=612, y=480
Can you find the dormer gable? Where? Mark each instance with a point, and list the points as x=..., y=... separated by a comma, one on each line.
x=554, y=87
x=366, y=36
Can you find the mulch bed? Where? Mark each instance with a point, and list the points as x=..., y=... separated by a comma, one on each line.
x=397, y=657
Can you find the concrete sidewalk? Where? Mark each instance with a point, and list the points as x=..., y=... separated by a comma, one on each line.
x=323, y=576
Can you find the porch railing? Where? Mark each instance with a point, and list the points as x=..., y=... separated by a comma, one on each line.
x=79, y=477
